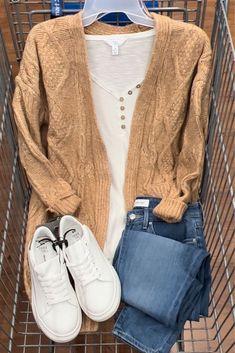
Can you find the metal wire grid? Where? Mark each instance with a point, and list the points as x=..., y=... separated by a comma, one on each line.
x=24, y=14
x=219, y=184
x=18, y=331
x=13, y=208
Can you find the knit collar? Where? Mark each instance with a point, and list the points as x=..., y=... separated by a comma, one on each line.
x=147, y=89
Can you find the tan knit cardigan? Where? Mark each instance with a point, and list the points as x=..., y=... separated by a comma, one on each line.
x=67, y=165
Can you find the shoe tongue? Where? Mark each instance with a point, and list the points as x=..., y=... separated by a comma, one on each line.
x=49, y=267
x=76, y=251
x=73, y=235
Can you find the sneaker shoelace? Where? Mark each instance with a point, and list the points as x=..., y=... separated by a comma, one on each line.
x=86, y=270
x=55, y=288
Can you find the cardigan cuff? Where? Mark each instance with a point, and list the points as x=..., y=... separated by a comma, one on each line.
x=66, y=206
x=65, y=201
x=170, y=210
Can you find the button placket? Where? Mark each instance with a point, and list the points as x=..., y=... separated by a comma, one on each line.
x=122, y=107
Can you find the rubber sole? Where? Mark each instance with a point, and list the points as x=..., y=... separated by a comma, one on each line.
x=57, y=339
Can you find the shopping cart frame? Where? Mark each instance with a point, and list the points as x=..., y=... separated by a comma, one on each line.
x=18, y=331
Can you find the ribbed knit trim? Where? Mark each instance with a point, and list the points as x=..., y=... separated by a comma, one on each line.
x=170, y=210
x=160, y=45
x=68, y=205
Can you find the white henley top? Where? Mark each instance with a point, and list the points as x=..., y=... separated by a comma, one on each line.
x=117, y=66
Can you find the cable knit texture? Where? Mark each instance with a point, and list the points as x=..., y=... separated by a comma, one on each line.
x=68, y=168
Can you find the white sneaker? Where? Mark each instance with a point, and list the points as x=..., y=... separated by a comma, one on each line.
x=96, y=282
x=54, y=302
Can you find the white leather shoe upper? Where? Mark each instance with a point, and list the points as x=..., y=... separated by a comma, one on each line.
x=96, y=282
x=54, y=302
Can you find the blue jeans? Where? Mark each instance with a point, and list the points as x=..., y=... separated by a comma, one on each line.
x=164, y=270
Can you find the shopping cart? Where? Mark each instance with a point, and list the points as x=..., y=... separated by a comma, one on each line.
x=18, y=330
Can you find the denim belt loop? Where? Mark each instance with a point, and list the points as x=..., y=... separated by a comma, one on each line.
x=202, y=211
x=146, y=218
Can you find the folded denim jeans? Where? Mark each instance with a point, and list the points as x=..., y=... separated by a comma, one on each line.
x=165, y=275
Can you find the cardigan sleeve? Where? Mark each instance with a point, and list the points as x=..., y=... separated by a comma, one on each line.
x=30, y=113
x=189, y=164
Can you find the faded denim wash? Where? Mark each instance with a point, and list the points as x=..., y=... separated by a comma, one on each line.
x=165, y=276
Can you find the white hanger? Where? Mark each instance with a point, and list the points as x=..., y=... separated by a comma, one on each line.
x=135, y=10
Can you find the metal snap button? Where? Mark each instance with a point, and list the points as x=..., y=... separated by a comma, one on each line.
x=121, y=99
x=132, y=216
x=123, y=126
x=122, y=108
x=130, y=92
x=138, y=86
x=123, y=117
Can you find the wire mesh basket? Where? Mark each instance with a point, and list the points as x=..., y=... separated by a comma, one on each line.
x=24, y=14
x=18, y=330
